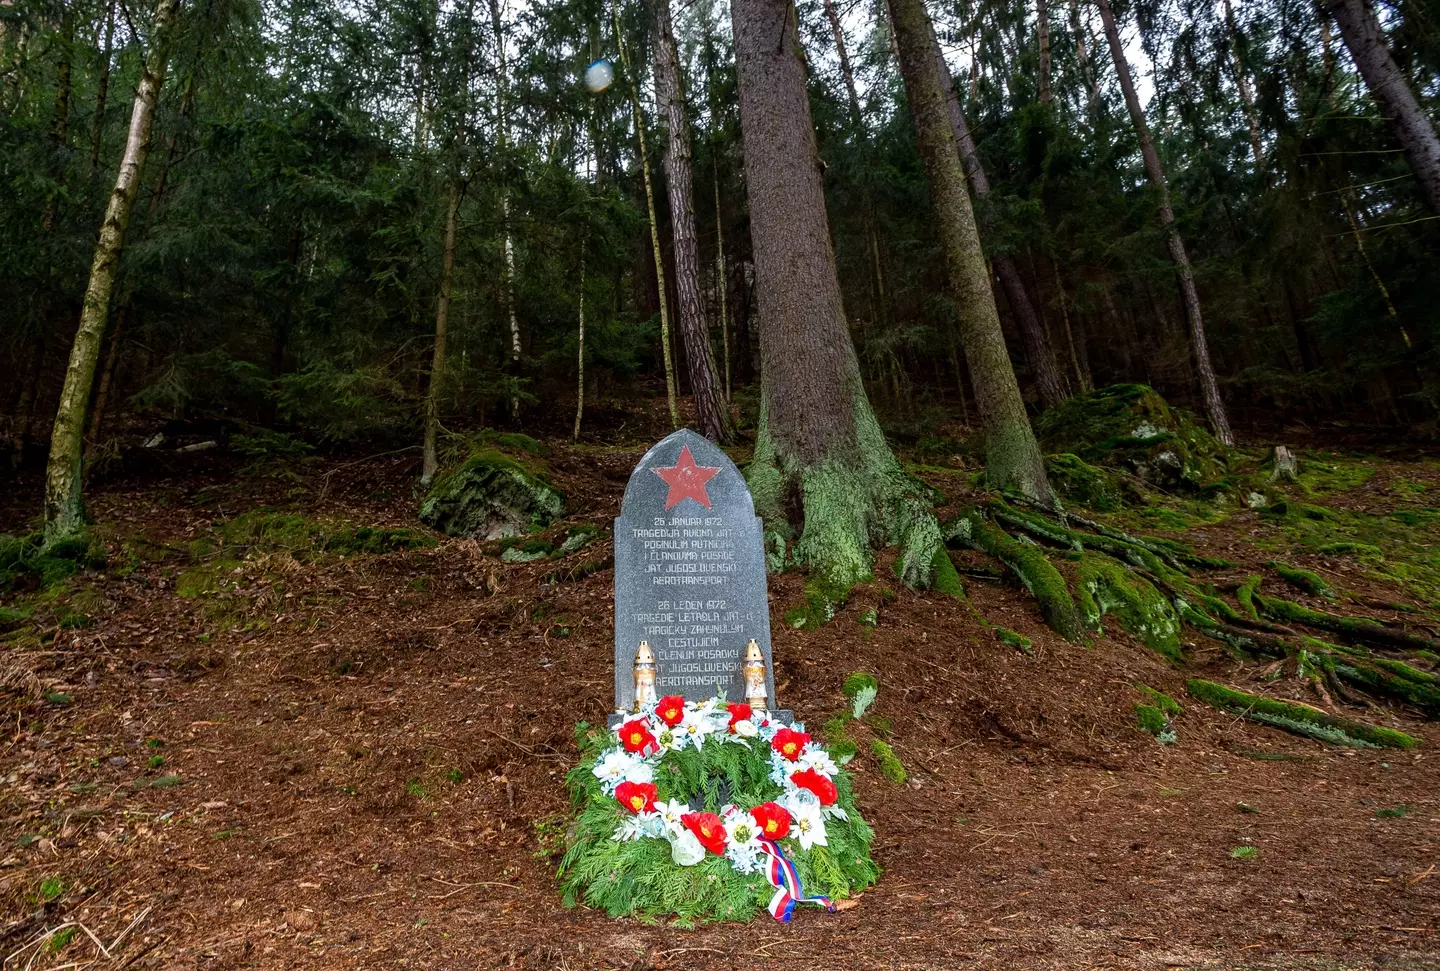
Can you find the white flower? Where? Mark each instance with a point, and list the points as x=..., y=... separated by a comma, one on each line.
x=668, y=738
x=746, y=729
x=670, y=813
x=637, y=826
x=613, y=769
x=742, y=829
x=640, y=771
x=807, y=826
x=746, y=858
x=685, y=849
x=815, y=757
x=696, y=724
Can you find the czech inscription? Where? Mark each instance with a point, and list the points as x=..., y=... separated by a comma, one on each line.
x=689, y=573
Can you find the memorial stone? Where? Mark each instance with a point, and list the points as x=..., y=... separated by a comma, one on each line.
x=689, y=574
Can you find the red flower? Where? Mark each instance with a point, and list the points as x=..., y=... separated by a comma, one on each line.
x=636, y=737
x=638, y=797
x=789, y=743
x=671, y=709
x=708, y=829
x=823, y=788
x=738, y=713
x=773, y=820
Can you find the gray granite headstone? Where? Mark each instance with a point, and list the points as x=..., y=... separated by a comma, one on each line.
x=689, y=573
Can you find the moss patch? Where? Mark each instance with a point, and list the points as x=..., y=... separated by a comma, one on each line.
x=1105, y=586
x=1322, y=473
x=890, y=764
x=491, y=496
x=1082, y=484
x=1297, y=719
x=1016, y=640
x=1131, y=427
x=1304, y=580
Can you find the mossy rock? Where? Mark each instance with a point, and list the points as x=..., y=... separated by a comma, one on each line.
x=1106, y=586
x=491, y=496
x=1081, y=484
x=1129, y=426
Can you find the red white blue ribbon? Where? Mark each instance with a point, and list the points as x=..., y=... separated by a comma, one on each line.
x=786, y=880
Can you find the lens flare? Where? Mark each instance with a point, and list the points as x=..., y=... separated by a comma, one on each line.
x=599, y=75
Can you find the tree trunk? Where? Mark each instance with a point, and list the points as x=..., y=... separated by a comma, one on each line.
x=60, y=126
x=670, y=394
x=711, y=414
x=1082, y=55
x=821, y=461
x=1082, y=374
x=502, y=83
x=102, y=92
x=1012, y=457
x=107, y=378
x=29, y=392
x=1042, y=32
x=64, y=504
x=1411, y=127
x=1247, y=97
x=1037, y=347
x=429, y=463
x=722, y=281
x=580, y=354
x=1199, y=345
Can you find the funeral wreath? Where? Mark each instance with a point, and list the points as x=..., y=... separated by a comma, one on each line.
x=709, y=810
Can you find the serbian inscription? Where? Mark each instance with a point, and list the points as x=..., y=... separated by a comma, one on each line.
x=689, y=572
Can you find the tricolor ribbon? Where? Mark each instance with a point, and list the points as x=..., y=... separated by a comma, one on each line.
x=786, y=880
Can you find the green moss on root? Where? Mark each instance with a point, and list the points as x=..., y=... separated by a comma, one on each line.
x=1016, y=640
x=1303, y=580
x=1105, y=586
x=1366, y=631
x=1035, y=571
x=1155, y=721
x=1160, y=699
x=890, y=765
x=1297, y=719
x=944, y=578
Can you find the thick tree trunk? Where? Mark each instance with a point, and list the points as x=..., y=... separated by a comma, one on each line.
x=821, y=461
x=1012, y=457
x=1412, y=128
x=710, y=412
x=64, y=505
x=1037, y=347
x=670, y=394
x=1199, y=344
x=429, y=463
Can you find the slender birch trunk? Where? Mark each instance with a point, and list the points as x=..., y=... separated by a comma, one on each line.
x=1042, y=32
x=580, y=354
x=502, y=94
x=711, y=414
x=1242, y=81
x=670, y=394
x=857, y=119
x=1037, y=346
x=1408, y=122
x=1012, y=456
x=64, y=503
x=102, y=91
x=1199, y=344
x=429, y=463
x=721, y=276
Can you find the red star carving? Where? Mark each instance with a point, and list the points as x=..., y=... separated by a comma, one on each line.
x=686, y=480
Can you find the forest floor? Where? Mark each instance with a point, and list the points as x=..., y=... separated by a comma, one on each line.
x=297, y=761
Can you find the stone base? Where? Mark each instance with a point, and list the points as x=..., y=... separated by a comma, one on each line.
x=615, y=719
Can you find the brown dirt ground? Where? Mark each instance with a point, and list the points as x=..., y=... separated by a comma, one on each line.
x=358, y=785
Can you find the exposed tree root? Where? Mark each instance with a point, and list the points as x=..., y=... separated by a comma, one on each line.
x=1079, y=571
x=1298, y=719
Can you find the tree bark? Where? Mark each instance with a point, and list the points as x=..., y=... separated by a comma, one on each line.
x=107, y=378
x=821, y=461
x=64, y=503
x=1037, y=346
x=1247, y=97
x=1012, y=456
x=1199, y=344
x=722, y=281
x=102, y=91
x=25, y=406
x=1042, y=32
x=429, y=463
x=671, y=397
x=1411, y=126
x=502, y=83
x=710, y=412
